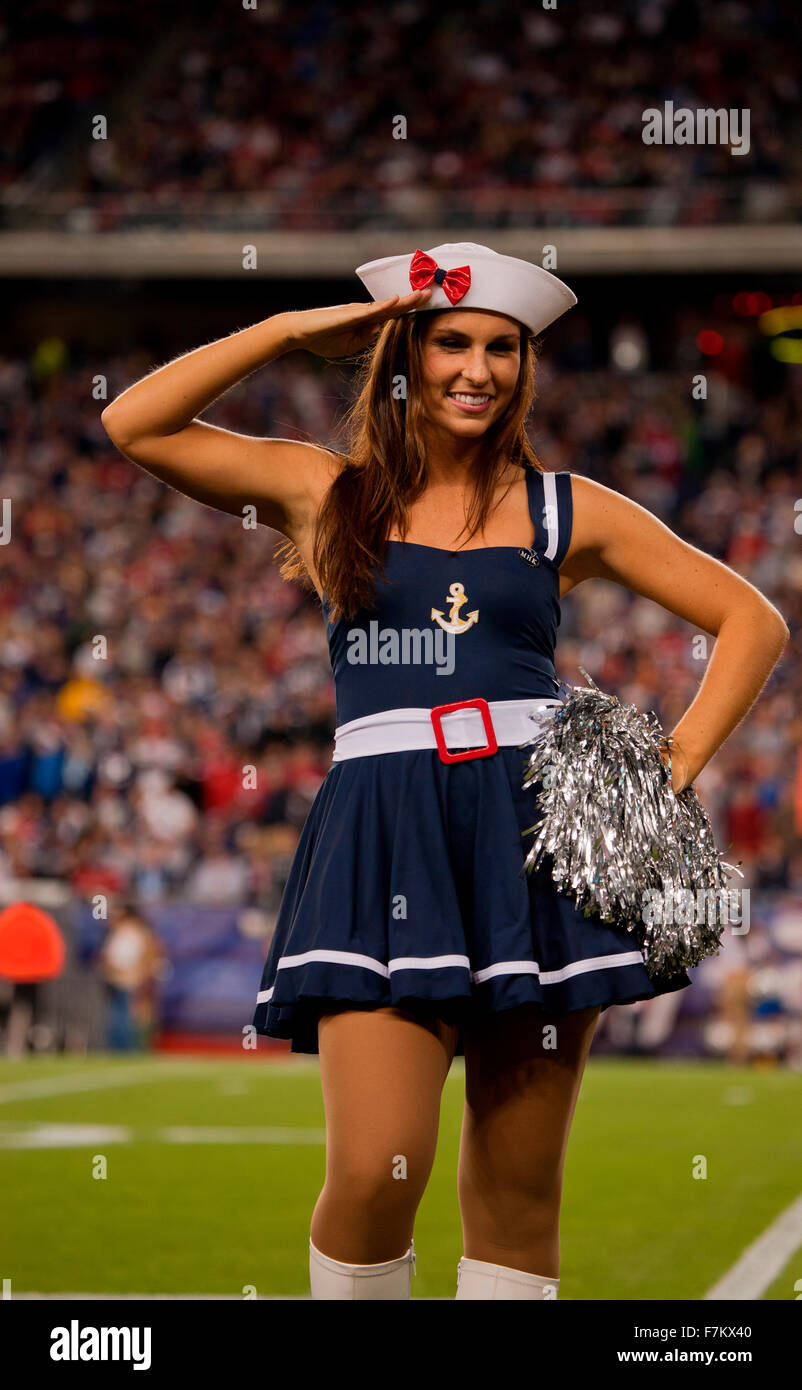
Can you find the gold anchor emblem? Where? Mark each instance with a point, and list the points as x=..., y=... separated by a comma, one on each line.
x=458, y=598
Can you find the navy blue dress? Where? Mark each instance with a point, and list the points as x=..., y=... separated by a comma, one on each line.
x=406, y=885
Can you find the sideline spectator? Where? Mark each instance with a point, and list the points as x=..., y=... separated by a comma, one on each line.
x=130, y=962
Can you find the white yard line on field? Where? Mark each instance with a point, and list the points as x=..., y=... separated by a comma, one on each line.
x=243, y=1134
x=70, y=1136
x=64, y=1136
x=178, y=1297
x=156, y=1297
x=132, y=1076
x=764, y=1259
x=92, y=1081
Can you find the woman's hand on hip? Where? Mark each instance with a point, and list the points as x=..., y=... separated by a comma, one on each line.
x=679, y=766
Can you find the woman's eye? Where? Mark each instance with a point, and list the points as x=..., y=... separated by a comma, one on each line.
x=494, y=347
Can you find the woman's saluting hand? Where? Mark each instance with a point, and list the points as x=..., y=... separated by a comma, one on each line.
x=343, y=329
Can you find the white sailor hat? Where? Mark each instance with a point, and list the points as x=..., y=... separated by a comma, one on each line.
x=465, y=275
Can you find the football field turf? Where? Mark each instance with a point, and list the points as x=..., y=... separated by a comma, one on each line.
x=213, y=1167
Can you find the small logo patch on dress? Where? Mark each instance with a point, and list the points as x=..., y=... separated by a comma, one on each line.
x=531, y=556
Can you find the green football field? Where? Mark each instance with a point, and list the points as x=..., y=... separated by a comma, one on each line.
x=212, y=1168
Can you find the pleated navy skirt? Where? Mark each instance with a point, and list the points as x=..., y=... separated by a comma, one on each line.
x=407, y=889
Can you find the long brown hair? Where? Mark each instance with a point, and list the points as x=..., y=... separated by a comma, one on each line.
x=384, y=468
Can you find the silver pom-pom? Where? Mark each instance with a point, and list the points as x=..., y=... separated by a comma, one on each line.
x=623, y=845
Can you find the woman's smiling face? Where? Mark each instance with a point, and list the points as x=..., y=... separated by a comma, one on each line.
x=470, y=363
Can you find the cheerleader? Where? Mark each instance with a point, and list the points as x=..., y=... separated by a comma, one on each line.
x=441, y=551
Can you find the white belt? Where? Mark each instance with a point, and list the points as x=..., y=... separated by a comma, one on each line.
x=497, y=723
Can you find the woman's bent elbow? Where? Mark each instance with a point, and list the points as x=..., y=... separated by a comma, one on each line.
x=114, y=428
x=777, y=621
x=107, y=420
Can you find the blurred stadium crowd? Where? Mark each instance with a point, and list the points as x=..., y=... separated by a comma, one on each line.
x=516, y=115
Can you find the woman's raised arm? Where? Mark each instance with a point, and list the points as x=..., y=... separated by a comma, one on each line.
x=153, y=422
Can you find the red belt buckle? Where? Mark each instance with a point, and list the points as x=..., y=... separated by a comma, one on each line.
x=436, y=715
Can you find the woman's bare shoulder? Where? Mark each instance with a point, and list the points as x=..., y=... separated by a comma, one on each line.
x=326, y=466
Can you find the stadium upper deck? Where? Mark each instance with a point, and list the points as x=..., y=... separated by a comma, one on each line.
x=503, y=117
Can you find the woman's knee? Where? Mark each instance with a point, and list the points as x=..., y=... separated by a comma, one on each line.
x=384, y=1179
x=382, y=1076
x=517, y=1209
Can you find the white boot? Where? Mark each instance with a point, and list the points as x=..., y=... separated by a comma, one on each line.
x=333, y=1280
x=477, y=1279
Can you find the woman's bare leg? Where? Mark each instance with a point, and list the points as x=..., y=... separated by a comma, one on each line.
x=382, y=1073
x=523, y=1072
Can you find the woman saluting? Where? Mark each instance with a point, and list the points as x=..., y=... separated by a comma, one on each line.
x=407, y=933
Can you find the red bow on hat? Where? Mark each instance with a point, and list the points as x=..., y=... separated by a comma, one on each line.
x=423, y=271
